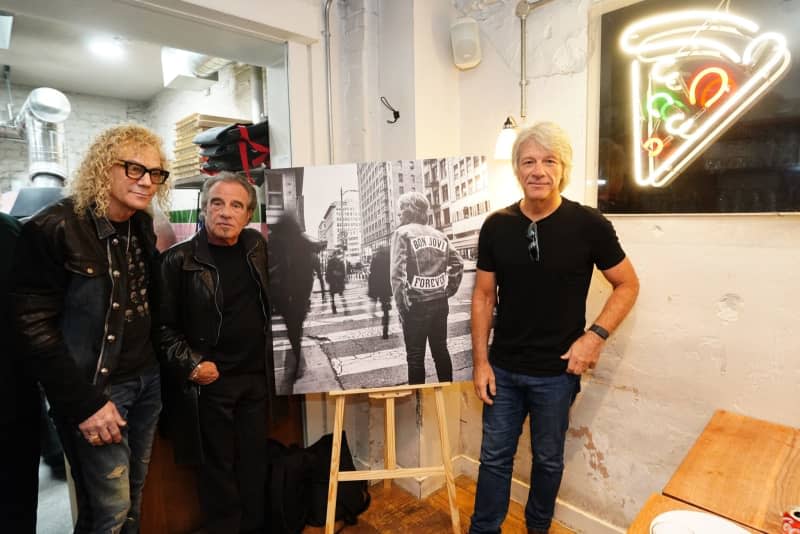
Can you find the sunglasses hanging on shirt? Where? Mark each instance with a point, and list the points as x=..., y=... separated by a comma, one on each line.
x=533, y=247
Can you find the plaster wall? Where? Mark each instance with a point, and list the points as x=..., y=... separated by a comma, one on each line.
x=293, y=20
x=437, y=102
x=396, y=74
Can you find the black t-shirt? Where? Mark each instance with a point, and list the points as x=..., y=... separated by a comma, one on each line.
x=137, y=354
x=542, y=305
x=242, y=341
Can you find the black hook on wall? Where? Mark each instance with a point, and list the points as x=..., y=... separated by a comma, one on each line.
x=394, y=111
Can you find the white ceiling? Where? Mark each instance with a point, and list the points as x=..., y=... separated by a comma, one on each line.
x=49, y=46
x=54, y=54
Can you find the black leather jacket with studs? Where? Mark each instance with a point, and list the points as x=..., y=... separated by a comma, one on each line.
x=70, y=277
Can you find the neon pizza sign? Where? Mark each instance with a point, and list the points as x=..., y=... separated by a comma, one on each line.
x=693, y=74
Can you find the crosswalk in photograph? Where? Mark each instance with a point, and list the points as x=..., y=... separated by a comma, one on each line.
x=346, y=350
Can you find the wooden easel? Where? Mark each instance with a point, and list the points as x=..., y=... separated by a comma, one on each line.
x=390, y=454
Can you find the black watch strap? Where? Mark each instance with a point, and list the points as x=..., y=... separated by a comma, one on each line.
x=599, y=330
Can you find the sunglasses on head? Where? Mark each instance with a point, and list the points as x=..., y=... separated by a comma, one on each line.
x=533, y=247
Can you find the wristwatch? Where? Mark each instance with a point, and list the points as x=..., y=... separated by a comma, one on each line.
x=599, y=330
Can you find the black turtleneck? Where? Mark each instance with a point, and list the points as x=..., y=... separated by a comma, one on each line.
x=241, y=342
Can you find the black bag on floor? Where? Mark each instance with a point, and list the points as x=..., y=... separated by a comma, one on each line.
x=352, y=498
x=287, y=487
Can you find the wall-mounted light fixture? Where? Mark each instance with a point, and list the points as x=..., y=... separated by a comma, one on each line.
x=505, y=139
x=508, y=134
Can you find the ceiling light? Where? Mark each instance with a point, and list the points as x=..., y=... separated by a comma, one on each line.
x=107, y=48
x=6, y=22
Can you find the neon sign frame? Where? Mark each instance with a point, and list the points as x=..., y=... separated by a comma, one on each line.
x=659, y=45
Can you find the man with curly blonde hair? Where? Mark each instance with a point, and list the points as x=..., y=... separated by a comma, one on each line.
x=82, y=305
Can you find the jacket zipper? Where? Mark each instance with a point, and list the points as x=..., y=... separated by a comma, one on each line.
x=216, y=292
x=261, y=289
x=108, y=313
x=216, y=304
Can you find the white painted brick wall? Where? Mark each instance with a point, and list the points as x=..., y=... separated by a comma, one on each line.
x=90, y=115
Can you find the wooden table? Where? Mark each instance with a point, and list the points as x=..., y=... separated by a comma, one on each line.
x=658, y=504
x=743, y=469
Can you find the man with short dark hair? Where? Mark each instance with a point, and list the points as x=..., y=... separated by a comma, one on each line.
x=425, y=271
x=213, y=327
x=82, y=301
x=535, y=262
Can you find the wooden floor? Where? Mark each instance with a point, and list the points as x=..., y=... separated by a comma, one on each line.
x=397, y=511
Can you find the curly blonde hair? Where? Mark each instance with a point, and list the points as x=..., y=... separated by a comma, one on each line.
x=92, y=184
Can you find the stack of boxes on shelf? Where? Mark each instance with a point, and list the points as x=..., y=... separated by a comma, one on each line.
x=187, y=160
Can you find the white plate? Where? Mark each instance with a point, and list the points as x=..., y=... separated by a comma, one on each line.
x=689, y=522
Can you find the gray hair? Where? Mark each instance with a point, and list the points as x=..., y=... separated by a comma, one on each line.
x=231, y=178
x=552, y=138
x=413, y=207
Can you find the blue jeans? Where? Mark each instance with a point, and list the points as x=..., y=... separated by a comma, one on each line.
x=547, y=400
x=109, y=478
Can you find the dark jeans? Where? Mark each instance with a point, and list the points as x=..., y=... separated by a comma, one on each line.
x=386, y=306
x=109, y=478
x=19, y=448
x=333, y=301
x=52, y=452
x=233, y=415
x=427, y=322
x=547, y=400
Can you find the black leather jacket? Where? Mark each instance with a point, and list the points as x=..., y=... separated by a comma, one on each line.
x=188, y=318
x=70, y=277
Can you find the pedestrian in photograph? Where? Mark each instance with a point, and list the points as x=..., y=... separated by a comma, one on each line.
x=535, y=264
x=379, y=287
x=316, y=265
x=213, y=338
x=335, y=275
x=291, y=269
x=425, y=271
x=82, y=297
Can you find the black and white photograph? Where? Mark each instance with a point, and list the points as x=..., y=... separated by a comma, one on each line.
x=372, y=267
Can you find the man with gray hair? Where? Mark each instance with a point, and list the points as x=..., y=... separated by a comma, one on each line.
x=535, y=263
x=212, y=313
x=425, y=271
